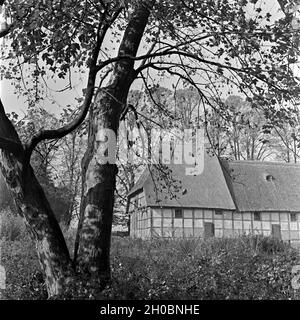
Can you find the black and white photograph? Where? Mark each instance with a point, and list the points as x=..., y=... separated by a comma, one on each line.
x=149, y=153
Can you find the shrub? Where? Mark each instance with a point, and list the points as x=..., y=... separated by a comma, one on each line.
x=24, y=280
x=248, y=267
x=11, y=226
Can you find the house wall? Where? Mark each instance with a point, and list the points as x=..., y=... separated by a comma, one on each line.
x=140, y=224
x=160, y=222
x=140, y=217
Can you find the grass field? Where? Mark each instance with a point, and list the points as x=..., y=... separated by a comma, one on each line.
x=247, y=267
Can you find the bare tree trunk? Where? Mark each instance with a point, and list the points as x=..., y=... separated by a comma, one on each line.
x=295, y=150
x=288, y=150
x=127, y=213
x=35, y=209
x=99, y=178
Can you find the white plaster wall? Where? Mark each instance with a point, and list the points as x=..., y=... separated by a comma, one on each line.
x=158, y=222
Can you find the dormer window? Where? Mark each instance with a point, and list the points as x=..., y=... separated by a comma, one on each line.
x=269, y=177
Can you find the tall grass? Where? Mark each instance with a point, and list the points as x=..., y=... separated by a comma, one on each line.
x=247, y=267
x=24, y=279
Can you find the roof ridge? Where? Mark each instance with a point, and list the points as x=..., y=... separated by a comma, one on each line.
x=257, y=162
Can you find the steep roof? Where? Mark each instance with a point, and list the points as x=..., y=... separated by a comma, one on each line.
x=233, y=185
x=263, y=186
x=140, y=182
x=206, y=190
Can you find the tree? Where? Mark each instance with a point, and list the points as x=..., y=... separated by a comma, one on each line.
x=239, y=133
x=288, y=146
x=212, y=46
x=138, y=123
x=68, y=167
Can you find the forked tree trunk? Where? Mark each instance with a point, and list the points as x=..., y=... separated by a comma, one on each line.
x=99, y=178
x=33, y=206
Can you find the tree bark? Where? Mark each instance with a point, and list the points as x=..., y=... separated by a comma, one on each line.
x=35, y=209
x=99, y=178
x=127, y=213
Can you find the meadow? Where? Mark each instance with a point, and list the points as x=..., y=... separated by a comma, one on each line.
x=247, y=267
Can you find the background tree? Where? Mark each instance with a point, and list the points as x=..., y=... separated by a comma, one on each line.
x=239, y=132
x=288, y=147
x=70, y=155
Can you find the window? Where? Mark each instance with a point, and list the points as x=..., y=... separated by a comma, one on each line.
x=136, y=204
x=257, y=216
x=178, y=213
x=142, y=202
x=218, y=211
x=293, y=216
x=139, y=200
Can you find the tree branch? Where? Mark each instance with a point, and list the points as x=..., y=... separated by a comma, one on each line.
x=93, y=70
x=208, y=62
x=63, y=131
